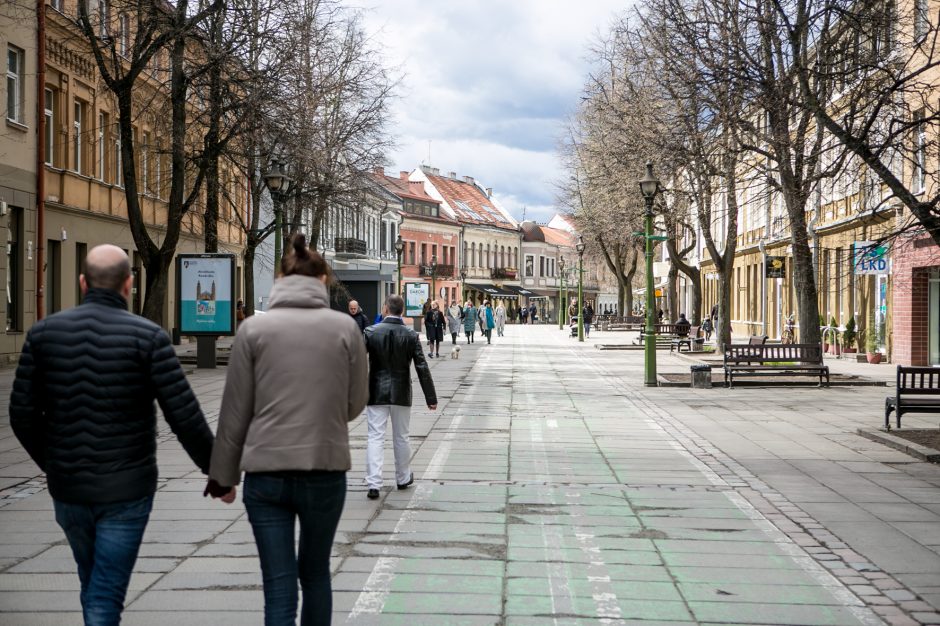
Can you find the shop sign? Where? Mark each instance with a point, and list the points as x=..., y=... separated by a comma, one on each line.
x=659, y=293
x=416, y=294
x=871, y=257
x=775, y=267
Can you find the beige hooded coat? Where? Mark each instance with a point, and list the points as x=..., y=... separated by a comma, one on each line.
x=296, y=376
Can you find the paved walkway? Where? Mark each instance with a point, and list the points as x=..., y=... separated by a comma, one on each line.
x=552, y=488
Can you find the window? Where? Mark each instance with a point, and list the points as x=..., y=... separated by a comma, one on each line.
x=921, y=18
x=15, y=60
x=102, y=146
x=144, y=165
x=124, y=35
x=529, y=266
x=104, y=14
x=77, y=147
x=118, y=161
x=13, y=269
x=50, y=123
x=541, y=265
x=920, y=153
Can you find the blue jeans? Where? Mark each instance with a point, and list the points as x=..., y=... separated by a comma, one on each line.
x=105, y=539
x=587, y=329
x=274, y=500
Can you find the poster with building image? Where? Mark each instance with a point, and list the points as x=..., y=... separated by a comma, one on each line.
x=416, y=294
x=205, y=285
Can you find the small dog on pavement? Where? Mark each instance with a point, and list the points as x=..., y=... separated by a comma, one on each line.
x=455, y=353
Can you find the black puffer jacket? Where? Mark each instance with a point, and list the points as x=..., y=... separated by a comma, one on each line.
x=82, y=402
x=392, y=347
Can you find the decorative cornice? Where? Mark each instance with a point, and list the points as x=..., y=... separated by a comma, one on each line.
x=70, y=59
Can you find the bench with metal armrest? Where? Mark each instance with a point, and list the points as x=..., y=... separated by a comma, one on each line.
x=774, y=360
x=918, y=391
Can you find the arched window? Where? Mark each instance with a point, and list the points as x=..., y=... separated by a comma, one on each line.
x=487, y=256
x=473, y=255
x=502, y=256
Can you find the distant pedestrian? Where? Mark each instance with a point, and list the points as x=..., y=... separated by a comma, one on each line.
x=683, y=326
x=488, y=321
x=481, y=317
x=469, y=321
x=393, y=347
x=500, y=320
x=660, y=315
x=588, y=313
x=356, y=312
x=454, y=313
x=291, y=438
x=434, y=324
x=524, y=314
x=83, y=408
x=239, y=313
x=707, y=328
x=533, y=312
x=714, y=313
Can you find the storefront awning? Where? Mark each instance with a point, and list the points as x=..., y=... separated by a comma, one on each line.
x=492, y=290
x=522, y=291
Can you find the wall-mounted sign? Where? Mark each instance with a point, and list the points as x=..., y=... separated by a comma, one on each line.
x=205, y=288
x=871, y=257
x=416, y=294
x=775, y=266
x=658, y=293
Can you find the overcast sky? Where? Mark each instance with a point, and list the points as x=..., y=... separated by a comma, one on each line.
x=489, y=83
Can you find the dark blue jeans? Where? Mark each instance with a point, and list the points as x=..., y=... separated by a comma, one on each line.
x=105, y=539
x=274, y=501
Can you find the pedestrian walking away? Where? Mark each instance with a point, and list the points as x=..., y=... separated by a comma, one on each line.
x=707, y=328
x=533, y=313
x=434, y=325
x=488, y=321
x=588, y=313
x=392, y=348
x=469, y=321
x=481, y=317
x=500, y=320
x=83, y=407
x=356, y=312
x=454, y=313
x=524, y=314
x=296, y=377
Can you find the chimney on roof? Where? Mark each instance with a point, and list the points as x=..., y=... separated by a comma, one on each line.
x=452, y=175
x=379, y=171
x=468, y=179
x=489, y=192
x=403, y=175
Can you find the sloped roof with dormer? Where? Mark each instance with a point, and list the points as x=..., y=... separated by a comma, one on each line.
x=403, y=188
x=469, y=203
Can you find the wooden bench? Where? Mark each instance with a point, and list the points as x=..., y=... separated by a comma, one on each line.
x=918, y=391
x=760, y=359
x=687, y=341
x=665, y=333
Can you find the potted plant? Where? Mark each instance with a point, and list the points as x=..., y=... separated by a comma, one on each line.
x=871, y=343
x=848, y=336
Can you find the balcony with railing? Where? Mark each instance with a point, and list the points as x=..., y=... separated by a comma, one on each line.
x=504, y=273
x=438, y=271
x=349, y=247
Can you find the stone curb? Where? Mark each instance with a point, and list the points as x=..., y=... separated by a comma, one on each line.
x=915, y=450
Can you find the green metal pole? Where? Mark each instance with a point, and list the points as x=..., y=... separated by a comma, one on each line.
x=279, y=235
x=399, y=274
x=650, y=331
x=580, y=298
x=561, y=302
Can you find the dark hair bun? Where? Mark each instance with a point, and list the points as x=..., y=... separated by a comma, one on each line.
x=299, y=244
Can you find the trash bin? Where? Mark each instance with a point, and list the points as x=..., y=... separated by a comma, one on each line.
x=701, y=376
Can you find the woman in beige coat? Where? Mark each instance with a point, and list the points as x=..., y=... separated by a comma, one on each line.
x=296, y=377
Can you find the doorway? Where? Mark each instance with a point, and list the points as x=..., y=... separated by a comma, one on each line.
x=933, y=317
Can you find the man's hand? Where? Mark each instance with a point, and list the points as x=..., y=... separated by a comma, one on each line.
x=217, y=491
x=432, y=407
x=229, y=497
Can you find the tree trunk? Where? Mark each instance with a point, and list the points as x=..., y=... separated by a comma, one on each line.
x=249, y=279
x=672, y=293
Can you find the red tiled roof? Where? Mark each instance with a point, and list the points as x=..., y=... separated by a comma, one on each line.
x=404, y=188
x=469, y=203
x=557, y=237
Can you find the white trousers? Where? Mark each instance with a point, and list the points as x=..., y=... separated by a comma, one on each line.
x=377, y=417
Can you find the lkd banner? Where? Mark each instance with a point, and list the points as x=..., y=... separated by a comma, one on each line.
x=871, y=257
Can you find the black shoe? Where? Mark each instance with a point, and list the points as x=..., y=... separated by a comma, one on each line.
x=411, y=480
x=373, y=494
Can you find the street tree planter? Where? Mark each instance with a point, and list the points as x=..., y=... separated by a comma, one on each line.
x=874, y=357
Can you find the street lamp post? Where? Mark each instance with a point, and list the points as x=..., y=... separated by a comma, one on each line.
x=562, y=305
x=580, y=248
x=278, y=184
x=463, y=286
x=649, y=187
x=399, y=248
x=433, y=278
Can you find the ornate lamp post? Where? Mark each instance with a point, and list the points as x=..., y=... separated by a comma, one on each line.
x=399, y=248
x=649, y=187
x=580, y=248
x=463, y=288
x=562, y=305
x=278, y=184
x=433, y=278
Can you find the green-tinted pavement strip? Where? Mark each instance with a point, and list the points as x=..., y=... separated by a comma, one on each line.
x=587, y=607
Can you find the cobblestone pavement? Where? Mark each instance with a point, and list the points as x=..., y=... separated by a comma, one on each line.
x=552, y=488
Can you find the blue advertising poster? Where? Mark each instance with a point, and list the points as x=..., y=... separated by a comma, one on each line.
x=205, y=294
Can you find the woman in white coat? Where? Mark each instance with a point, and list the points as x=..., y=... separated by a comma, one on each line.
x=500, y=319
x=454, y=315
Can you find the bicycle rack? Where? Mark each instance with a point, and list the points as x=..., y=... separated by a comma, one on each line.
x=833, y=334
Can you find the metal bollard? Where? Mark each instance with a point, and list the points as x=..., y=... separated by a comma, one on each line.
x=701, y=377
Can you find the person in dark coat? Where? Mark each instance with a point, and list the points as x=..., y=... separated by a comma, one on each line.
x=524, y=314
x=533, y=312
x=434, y=324
x=392, y=348
x=588, y=314
x=683, y=326
x=83, y=407
x=356, y=312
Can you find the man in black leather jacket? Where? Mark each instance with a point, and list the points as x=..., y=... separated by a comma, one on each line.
x=392, y=347
x=83, y=407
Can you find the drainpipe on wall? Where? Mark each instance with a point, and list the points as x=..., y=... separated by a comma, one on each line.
x=763, y=285
x=40, y=156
